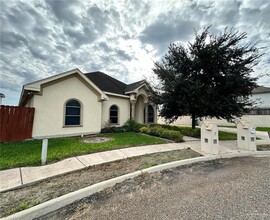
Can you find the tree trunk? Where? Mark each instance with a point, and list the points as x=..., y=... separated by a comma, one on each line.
x=193, y=120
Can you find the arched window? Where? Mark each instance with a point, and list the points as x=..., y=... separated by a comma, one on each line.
x=114, y=114
x=73, y=113
x=150, y=114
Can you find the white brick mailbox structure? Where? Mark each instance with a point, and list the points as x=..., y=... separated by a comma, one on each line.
x=209, y=138
x=246, y=136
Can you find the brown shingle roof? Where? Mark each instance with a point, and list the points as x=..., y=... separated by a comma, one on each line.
x=107, y=83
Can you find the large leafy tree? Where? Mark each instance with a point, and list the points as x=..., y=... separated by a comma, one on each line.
x=210, y=77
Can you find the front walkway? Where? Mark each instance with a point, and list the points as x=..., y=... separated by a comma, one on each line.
x=15, y=178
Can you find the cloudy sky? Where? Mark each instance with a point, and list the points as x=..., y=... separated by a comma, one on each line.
x=40, y=38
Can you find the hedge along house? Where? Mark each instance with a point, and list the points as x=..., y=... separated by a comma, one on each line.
x=73, y=103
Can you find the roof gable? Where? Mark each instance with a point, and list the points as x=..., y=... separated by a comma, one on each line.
x=133, y=86
x=37, y=85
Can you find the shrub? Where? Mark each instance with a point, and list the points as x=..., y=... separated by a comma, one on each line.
x=129, y=126
x=132, y=125
x=157, y=130
x=172, y=135
x=113, y=130
x=145, y=130
x=187, y=131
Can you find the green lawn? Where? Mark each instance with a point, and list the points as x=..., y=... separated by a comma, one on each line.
x=225, y=136
x=227, y=126
x=28, y=153
x=262, y=129
x=257, y=128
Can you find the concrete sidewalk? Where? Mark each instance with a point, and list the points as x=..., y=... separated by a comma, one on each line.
x=15, y=178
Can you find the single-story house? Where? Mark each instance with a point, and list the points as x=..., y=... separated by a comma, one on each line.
x=261, y=95
x=73, y=103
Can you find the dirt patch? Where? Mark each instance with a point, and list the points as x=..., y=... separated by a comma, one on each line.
x=92, y=140
x=26, y=197
x=263, y=147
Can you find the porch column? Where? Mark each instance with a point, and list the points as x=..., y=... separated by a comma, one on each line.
x=146, y=113
x=132, y=109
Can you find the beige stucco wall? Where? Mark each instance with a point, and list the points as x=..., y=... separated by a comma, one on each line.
x=184, y=120
x=256, y=120
x=50, y=109
x=123, y=105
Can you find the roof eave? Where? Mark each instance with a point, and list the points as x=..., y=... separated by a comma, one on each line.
x=137, y=89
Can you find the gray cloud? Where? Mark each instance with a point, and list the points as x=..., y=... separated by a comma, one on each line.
x=38, y=53
x=63, y=10
x=40, y=38
x=12, y=40
x=123, y=55
x=162, y=33
x=104, y=46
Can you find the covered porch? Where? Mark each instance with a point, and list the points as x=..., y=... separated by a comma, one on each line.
x=141, y=110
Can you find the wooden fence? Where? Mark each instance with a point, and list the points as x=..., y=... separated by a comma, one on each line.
x=16, y=123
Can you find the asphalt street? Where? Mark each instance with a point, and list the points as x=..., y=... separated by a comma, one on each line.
x=236, y=188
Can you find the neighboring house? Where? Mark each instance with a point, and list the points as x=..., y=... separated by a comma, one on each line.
x=261, y=95
x=73, y=103
x=259, y=115
x=1, y=97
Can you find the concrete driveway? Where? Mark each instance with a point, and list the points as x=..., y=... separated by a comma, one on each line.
x=226, y=189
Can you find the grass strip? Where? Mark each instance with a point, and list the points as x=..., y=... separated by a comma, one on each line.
x=28, y=153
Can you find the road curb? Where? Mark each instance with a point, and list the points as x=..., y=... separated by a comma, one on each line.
x=180, y=163
x=57, y=203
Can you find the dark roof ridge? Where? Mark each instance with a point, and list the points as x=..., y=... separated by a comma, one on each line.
x=106, y=83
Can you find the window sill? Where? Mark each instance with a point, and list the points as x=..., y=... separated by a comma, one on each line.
x=71, y=126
